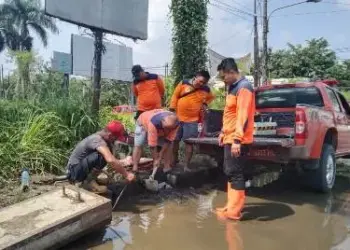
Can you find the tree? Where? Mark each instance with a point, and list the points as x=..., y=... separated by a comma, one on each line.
x=26, y=16
x=8, y=33
x=341, y=72
x=24, y=61
x=312, y=60
x=189, y=37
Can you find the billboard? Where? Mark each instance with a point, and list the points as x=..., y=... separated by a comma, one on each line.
x=62, y=62
x=120, y=17
x=116, y=61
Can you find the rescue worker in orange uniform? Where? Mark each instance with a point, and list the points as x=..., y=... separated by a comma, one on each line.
x=148, y=89
x=157, y=128
x=188, y=100
x=236, y=134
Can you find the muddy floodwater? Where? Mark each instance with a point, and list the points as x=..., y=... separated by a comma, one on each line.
x=280, y=216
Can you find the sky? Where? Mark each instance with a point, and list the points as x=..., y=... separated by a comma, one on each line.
x=228, y=34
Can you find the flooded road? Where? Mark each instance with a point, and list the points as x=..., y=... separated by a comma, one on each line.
x=276, y=217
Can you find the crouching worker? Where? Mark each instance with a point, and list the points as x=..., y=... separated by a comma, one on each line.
x=237, y=133
x=92, y=154
x=158, y=127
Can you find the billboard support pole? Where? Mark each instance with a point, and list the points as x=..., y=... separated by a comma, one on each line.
x=97, y=71
x=65, y=84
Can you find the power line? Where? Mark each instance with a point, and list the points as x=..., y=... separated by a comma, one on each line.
x=242, y=5
x=336, y=3
x=229, y=11
x=232, y=8
x=313, y=13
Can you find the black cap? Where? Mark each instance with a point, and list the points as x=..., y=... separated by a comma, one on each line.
x=136, y=70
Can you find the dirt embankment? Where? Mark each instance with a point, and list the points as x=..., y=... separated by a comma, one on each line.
x=10, y=193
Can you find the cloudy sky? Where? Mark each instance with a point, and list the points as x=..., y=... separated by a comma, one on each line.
x=228, y=34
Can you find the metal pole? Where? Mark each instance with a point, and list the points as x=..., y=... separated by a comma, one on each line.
x=266, y=19
x=264, y=52
x=256, y=48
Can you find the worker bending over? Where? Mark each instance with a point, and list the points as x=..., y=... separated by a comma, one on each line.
x=236, y=134
x=92, y=154
x=148, y=89
x=158, y=127
x=188, y=101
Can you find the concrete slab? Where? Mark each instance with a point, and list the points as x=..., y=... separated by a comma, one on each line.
x=51, y=220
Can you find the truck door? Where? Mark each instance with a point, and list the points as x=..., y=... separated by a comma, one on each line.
x=340, y=120
x=346, y=110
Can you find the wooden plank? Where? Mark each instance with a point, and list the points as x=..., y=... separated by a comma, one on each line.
x=51, y=220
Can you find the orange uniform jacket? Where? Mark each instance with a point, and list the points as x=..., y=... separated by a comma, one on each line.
x=149, y=92
x=151, y=121
x=188, y=108
x=238, y=120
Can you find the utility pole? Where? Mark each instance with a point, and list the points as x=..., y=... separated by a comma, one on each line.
x=264, y=52
x=256, y=48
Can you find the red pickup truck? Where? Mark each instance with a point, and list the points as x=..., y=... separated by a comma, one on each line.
x=312, y=129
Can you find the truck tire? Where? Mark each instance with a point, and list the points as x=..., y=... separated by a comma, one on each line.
x=323, y=178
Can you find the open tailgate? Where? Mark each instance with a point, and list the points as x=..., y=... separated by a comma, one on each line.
x=278, y=150
x=258, y=141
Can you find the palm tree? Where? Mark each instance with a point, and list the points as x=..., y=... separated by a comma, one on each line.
x=27, y=16
x=8, y=34
x=24, y=17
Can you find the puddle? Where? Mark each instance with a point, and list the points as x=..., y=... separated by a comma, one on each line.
x=274, y=219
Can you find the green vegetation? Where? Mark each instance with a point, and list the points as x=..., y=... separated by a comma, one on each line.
x=107, y=115
x=38, y=130
x=40, y=124
x=219, y=101
x=189, y=37
x=314, y=60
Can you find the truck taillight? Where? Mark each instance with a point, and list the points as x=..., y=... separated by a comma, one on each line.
x=300, y=124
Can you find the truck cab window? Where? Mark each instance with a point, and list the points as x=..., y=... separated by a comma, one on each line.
x=288, y=97
x=344, y=104
x=333, y=97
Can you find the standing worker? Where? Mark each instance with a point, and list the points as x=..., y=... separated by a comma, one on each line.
x=188, y=100
x=157, y=127
x=237, y=133
x=148, y=89
x=92, y=154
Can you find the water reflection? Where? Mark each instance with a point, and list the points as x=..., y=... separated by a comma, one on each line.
x=233, y=236
x=204, y=207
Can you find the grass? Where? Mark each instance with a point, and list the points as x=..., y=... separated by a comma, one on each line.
x=40, y=135
x=39, y=132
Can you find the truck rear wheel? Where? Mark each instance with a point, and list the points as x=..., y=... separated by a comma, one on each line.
x=323, y=178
